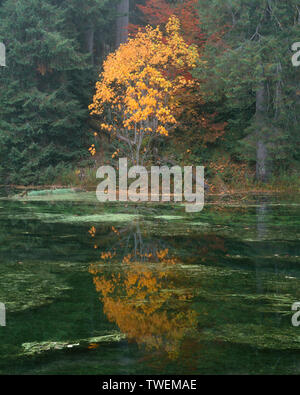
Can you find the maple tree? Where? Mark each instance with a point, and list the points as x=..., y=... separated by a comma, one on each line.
x=197, y=125
x=138, y=95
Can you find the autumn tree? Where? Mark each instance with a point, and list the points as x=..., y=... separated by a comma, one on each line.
x=200, y=125
x=138, y=95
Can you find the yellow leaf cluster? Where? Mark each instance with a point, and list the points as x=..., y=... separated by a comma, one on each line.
x=141, y=81
x=92, y=150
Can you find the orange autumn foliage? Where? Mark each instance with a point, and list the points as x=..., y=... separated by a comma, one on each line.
x=198, y=127
x=138, y=91
x=157, y=12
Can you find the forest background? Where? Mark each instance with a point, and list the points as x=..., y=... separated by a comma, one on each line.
x=241, y=120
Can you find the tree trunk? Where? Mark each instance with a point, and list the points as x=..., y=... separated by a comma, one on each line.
x=262, y=172
x=122, y=22
x=89, y=37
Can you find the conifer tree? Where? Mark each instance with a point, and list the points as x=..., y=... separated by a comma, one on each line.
x=47, y=84
x=249, y=71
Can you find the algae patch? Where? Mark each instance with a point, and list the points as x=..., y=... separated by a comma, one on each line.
x=169, y=217
x=255, y=336
x=51, y=192
x=40, y=347
x=105, y=217
x=29, y=285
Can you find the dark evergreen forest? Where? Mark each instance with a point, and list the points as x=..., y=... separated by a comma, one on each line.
x=241, y=122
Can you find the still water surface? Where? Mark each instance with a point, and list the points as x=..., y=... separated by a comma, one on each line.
x=95, y=288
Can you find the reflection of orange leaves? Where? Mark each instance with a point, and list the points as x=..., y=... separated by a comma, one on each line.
x=93, y=346
x=127, y=258
x=162, y=254
x=92, y=231
x=107, y=255
x=137, y=299
x=115, y=230
x=105, y=287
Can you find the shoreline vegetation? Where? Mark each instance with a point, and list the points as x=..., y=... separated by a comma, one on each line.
x=218, y=185
x=214, y=191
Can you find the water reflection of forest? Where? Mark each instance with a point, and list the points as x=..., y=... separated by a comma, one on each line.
x=146, y=291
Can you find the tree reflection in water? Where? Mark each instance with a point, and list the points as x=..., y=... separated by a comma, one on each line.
x=142, y=286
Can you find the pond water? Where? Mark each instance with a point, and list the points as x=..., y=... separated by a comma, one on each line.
x=94, y=288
